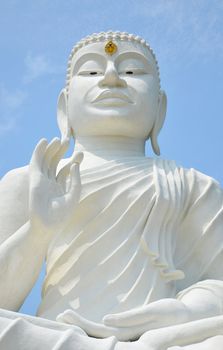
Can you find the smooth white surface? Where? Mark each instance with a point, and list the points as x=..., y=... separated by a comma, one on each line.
x=126, y=238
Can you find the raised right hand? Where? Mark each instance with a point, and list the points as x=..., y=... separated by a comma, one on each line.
x=53, y=195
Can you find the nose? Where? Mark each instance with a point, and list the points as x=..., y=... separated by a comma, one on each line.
x=111, y=77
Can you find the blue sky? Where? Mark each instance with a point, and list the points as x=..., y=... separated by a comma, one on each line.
x=187, y=37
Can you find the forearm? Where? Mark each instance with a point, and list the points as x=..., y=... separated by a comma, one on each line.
x=21, y=258
x=203, y=299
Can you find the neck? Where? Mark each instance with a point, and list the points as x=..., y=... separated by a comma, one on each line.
x=98, y=149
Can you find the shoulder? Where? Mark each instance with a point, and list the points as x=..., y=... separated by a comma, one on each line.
x=16, y=179
x=191, y=183
x=200, y=182
x=13, y=201
x=189, y=174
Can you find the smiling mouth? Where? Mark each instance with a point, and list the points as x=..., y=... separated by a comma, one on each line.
x=112, y=98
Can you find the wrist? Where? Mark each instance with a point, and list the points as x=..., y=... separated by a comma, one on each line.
x=41, y=235
x=200, y=303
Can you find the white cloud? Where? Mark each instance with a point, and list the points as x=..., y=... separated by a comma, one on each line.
x=38, y=66
x=11, y=103
x=181, y=28
x=11, y=100
x=7, y=125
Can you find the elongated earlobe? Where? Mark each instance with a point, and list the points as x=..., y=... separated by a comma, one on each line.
x=161, y=114
x=62, y=116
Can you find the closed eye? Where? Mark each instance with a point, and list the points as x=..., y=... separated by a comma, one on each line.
x=135, y=71
x=94, y=73
x=87, y=73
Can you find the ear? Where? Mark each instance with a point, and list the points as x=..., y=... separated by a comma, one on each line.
x=160, y=117
x=62, y=115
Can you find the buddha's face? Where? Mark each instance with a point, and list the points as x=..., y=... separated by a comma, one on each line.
x=113, y=94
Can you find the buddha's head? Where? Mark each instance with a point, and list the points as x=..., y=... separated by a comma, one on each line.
x=112, y=89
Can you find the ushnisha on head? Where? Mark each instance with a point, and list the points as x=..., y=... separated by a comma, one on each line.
x=112, y=89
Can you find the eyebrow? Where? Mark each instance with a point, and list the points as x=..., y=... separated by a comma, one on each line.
x=124, y=55
x=134, y=54
x=87, y=57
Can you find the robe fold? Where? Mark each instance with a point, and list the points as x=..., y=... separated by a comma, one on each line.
x=144, y=230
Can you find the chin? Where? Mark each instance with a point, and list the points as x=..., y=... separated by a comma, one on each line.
x=112, y=111
x=112, y=121
x=112, y=127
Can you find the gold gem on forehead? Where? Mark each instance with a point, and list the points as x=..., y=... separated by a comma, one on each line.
x=110, y=48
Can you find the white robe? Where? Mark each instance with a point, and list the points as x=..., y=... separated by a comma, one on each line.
x=144, y=230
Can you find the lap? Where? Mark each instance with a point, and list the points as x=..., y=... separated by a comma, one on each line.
x=214, y=343
x=22, y=332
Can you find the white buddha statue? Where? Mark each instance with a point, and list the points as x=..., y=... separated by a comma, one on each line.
x=133, y=245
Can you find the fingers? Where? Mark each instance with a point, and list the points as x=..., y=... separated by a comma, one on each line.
x=52, y=148
x=38, y=155
x=65, y=171
x=129, y=318
x=58, y=156
x=62, y=318
x=63, y=174
x=96, y=329
x=73, y=195
x=46, y=156
x=77, y=157
x=75, y=178
x=117, y=320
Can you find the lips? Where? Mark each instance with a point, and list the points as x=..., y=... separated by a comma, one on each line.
x=115, y=95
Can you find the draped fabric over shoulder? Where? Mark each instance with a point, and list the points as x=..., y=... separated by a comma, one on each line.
x=102, y=246
x=134, y=262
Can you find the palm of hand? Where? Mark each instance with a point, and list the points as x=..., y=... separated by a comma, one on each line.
x=133, y=323
x=53, y=195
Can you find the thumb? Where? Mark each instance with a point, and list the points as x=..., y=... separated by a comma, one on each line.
x=65, y=171
x=77, y=157
x=74, y=190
